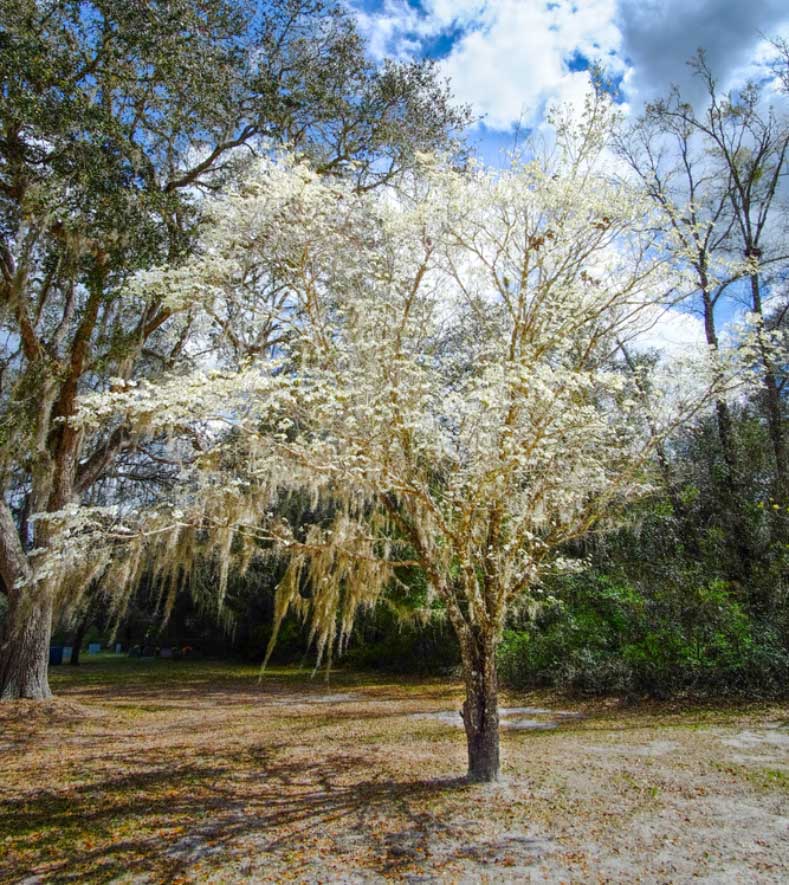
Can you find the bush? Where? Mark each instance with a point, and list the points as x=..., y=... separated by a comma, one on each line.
x=607, y=637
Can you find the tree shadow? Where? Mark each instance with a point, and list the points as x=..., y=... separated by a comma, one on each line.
x=162, y=819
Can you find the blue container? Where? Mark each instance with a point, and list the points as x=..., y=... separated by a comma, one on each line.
x=55, y=655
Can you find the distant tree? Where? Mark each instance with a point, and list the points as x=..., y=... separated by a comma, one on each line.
x=716, y=173
x=115, y=120
x=671, y=159
x=746, y=149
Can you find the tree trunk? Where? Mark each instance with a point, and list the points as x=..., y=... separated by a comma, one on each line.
x=481, y=711
x=738, y=534
x=24, y=652
x=772, y=395
x=79, y=635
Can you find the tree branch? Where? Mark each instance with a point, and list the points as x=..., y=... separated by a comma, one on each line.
x=97, y=462
x=14, y=565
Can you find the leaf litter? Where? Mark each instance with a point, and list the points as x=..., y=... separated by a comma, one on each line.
x=202, y=773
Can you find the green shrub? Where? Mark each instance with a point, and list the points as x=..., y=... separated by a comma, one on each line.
x=606, y=636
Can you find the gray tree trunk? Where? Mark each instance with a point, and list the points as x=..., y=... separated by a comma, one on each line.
x=481, y=711
x=24, y=649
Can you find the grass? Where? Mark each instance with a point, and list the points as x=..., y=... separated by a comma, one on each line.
x=201, y=771
x=764, y=779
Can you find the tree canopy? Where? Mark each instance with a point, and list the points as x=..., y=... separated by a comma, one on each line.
x=116, y=119
x=445, y=385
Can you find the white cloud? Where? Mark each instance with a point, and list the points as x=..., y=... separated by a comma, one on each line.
x=396, y=29
x=511, y=56
x=673, y=332
x=516, y=64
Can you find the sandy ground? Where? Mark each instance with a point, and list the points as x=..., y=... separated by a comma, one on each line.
x=203, y=774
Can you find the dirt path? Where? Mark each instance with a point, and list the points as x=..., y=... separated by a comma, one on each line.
x=186, y=773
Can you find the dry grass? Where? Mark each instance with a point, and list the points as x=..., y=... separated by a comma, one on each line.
x=172, y=771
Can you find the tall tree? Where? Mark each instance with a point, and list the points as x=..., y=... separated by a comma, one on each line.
x=671, y=159
x=747, y=144
x=114, y=119
x=716, y=172
x=669, y=156
x=452, y=401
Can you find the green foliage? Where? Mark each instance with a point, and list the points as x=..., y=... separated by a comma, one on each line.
x=690, y=595
x=608, y=636
x=385, y=642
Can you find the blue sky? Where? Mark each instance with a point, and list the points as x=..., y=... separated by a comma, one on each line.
x=509, y=59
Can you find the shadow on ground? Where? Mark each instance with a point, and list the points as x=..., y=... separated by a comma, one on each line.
x=188, y=811
x=202, y=773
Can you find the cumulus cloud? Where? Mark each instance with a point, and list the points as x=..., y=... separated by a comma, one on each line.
x=510, y=58
x=523, y=57
x=659, y=36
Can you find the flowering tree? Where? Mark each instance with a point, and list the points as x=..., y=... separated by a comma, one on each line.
x=444, y=386
x=116, y=118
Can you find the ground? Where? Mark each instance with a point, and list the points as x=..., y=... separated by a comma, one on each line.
x=168, y=771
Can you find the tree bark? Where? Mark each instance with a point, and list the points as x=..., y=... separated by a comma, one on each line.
x=24, y=650
x=723, y=416
x=772, y=396
x=79, y=635
x=481, y=710
x=24, y=644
